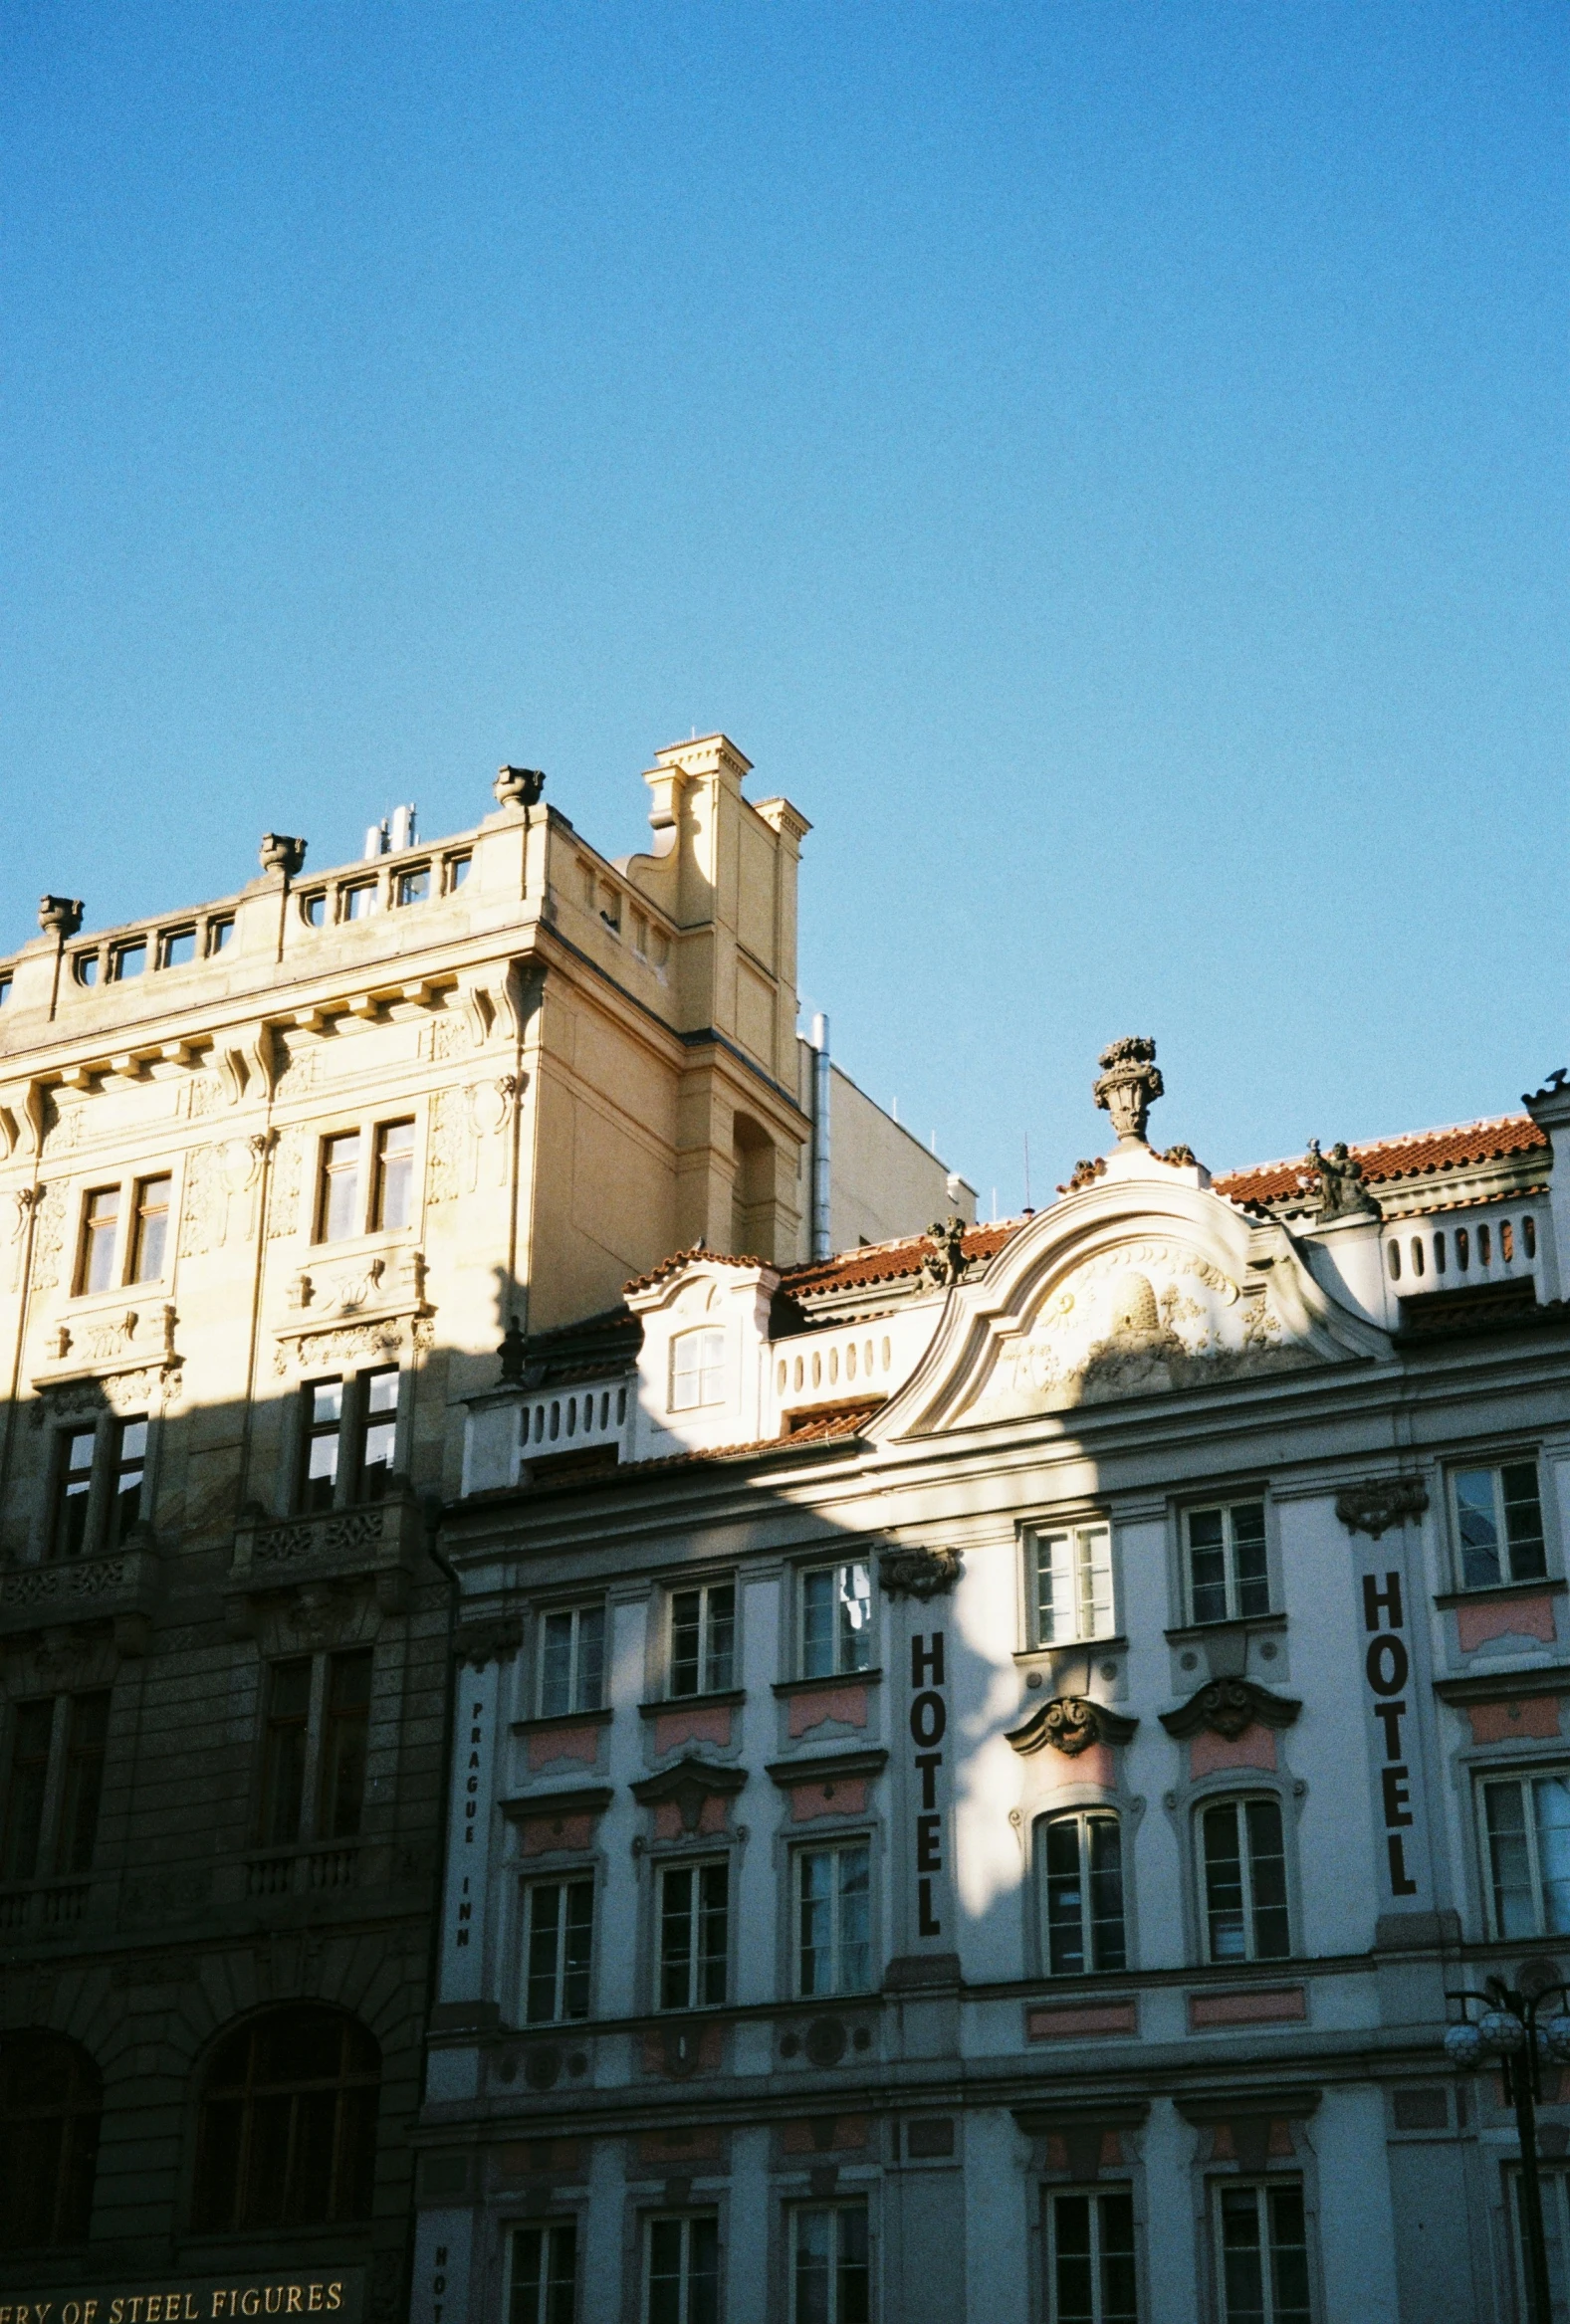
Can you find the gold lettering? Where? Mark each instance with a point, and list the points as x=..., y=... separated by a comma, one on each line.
x=116, y=2311
x=134, y=2304
x=250, y=2301
x=293, y=2303
x=334, y=2296
x=90, y=2309
x=313, y=2297
x=71, y=2313
x=274, y=2296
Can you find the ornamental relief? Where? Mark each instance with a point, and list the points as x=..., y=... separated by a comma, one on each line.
x=384, y=1340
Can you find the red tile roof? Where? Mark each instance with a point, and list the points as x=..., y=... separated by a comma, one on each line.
x=679, y=1259
x=1419, y=1153
x=888, y=1262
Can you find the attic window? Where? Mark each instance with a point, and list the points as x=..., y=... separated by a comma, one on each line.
x=696, y=1370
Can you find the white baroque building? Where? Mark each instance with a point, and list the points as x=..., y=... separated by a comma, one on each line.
x=975, y=1764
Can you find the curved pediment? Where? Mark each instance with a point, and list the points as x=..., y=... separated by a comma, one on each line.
x=1143, y=1283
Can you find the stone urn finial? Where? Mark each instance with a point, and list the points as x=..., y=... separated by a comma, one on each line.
x=1129, y=1085
x=519, y=787
x=281, y=852
x=59, y=916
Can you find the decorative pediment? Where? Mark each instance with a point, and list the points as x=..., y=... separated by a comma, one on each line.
x=1227, y=1706
x=1070, y=1724
x=689, y=1784
x=1377, y=1503
x=919, y=1572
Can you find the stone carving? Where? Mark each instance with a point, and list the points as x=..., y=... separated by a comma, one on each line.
x=1071, y=1724
x=48, y=1236
x=132, y=1388
x=300, y=1068
x=205, y=1203
x=1377, y=1504
x=488, y=1640
x=62, y=1124
x=1129, y=1085
x=112, y=1335
x=519, y=787
x=22, y=1201
x=449, y=1037
x=689, y=1784
x=445, y=1145
x=281, y=853
x=325, y=1537
x=283, y=1200
x=203, y=1096
x=59, y=916
x=919, y=1572
x=1342, y=1193
x=384, y=1340
x=945, y=1264
x=1227, y=1706
x=1180, y=1157
x=1085, y=1173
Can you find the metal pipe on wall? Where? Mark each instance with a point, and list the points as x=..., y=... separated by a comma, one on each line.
x=823, y=1242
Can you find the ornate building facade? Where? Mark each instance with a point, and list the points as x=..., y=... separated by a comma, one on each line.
x=276, y=1176
x=973, y=1808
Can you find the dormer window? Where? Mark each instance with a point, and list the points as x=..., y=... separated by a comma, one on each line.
x=696, y=1370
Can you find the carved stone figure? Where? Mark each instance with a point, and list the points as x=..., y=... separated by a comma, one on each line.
x=1380, y=1502
x=919, y=1572
x=945, y=1263
x=1129, y=1085
x=1342, y=1193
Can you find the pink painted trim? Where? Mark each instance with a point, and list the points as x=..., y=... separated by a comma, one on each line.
x=1510, y=1618
x=845, y=1704
x=812, y=1799
x=553, y=1743
x=1254, y=1748
x=1069, y=2021
x=708, y=1724
x=1280, y=2005
x=1537, y=1717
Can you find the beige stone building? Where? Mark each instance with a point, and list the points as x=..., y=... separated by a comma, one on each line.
x=276, y=1174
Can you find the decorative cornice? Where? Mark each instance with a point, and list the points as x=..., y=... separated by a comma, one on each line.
x=1070, y=1724
x=1073, y=2114
x=1289, y=2103
x=1506, y=1686
x=919, y=1572
x=492, y=1640
x=826, y=1767
x=689, y=1783
x=592, y=1800
x=1227, y=1706
x=1377, y=1503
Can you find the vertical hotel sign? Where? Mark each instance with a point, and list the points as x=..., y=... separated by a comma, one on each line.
x=1388, y=1645
x=469, y=1830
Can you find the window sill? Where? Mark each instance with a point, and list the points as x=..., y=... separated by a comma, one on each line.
x=1234, y=1627
x=1500, y=1593
x=1028, y=1657
x=840, y=1679
x=600, y=1718
x=728, y=1699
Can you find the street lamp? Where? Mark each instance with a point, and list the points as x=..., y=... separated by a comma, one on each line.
x=1512, y=2032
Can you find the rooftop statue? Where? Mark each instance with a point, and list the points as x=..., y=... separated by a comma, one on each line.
x=1342, y=1193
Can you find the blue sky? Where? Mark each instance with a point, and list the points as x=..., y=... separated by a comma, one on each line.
x=1107, y=464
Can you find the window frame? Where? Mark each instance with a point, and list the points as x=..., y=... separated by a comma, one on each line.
x=1038, y=1538
x=326, y=1171
x=837, y=2209
x=380, y=1133
x=1095, y=2196
x=61, y=1496
x=314, y=1724
x=848, y=1843
x=807, y=1573
x=554, y=2226
x=119, y=1466
x=1238, y=1797
x=1522, y=1776
x=567, y=1878
x=696, y=1866
x=142, y=1214
x=1262, y=2189
x=1224, y=1505
x=1082, y=1813
x=242, y=2096
x=54, y=1851
x=87, y=1247
x=573, y=1612
x=704, y=1590
x=706, y=1366
x=1494, y=1466
x=687, y=2218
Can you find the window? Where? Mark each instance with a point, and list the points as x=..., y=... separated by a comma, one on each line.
x=1245, y=1881
x=178, y=948
x=323, y=1402
x=1081, y=1870
x=829, y=2265
x=545, y=2273
x=359, y=903
x=129, y=961
x=73, y=1491
x=51, y=2096
x=27, y=1785
x=694, y=1935
x=703, y=1640
x=84, y=968
x=5, y=989
x=1527, y=1819
x=99, y=1225
x=346, y=1723
x=151, y=1230
x=338, y=1210
x=130, y=1464
x=1264, y=2256
x=288, y=2130
x=219, y=931
x=696, y=1370
x=1073, y=1591
x=457, y=871
x=378, y=1431
x=572, y=1661
x=284, y=1751
x=837, y=1619
x=834, y=1919
x=1554, y=2190
x=393, y=1205
x=414, y=887
x=314, y=909
x=1228, y=1572
x=683, y=2270
x=1499, y=1524
x=558, y=1941
x=1090, y=2274
x=86, y=1733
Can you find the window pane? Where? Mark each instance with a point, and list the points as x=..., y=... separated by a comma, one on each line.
x=1288, y=2256
x=1208, y=1564
x=341, y=1187
x=816, y=1872
x=73, y=1492
x=856, y=1923
x=819, y=1614
x=1479, y=1533
x=129, y=1463
x=1073, y=2267
x=555, y=1665
x=667, y=2249
x=1267, y=1875
x=1095, y=1582
x=1523, y=1520
x=577, y=1948
x=1106, y=1891
x=1056, y=1604
x=32, y=1728
x=703, y=2271
x=1509, y=1862
x=284, y=1768
x=854, y=1584
x=1243, y=2261
x=152, y=1220
x=544, y=1943
x=1551, y=1803
x=814, y=2245
x=344, y=1746
x=1223, y=1884
x=1119, y=2297
x=686, y=1624
x=676, y=1938
x=713, y=1932
x=394, y=1175
x=1252, y=1572
x=589, y=1693
x=98, y=1257
x=379, y=1443
x=1066, y=1901
x=722, y=1638
x=87, y=1735
x=854, y=2303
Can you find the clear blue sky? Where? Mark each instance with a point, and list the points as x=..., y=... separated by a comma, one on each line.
x=1106, y=463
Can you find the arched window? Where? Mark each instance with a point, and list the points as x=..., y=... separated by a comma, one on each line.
x=1080, y=1870
x=288, y=2132
x=51, y=2095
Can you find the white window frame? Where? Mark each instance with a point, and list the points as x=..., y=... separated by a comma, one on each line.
x=686, y=2221
x=1262, y=2190
x=1081, y=1817
x=548, y=2229
x=706, y=1674
x=562, y=1882
x=574, y=1615
x=1083, y=1571
x=857, y=2207
x=1239, y=1802
x=1226, y=1510
x=851, y=1843
x=1495, y=1469
x=1524, y=1779
x=707, y=1342
x=696, y=1866
x=838, y=1569
x=1095, y=2197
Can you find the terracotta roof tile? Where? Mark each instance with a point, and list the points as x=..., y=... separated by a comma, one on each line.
x=1417, y=1154
x=679, y=1259
x=888, y=1262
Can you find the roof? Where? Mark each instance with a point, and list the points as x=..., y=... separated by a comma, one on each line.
x=1419, y=1153
x=680, y=1259
x=887, y=1262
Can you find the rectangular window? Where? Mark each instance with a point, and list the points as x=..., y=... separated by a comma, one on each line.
x=130, y=1466
x=129, y=961
x=284, y=1751
x=414, y=887
x=834, y=1919
x=1527, y=1819
x=31, y=1726
x=176, y=948
x=703, y=1640
x=457, y=871
x=100, y=1226
x=694, y=1935
x=1245, y=1881
x=359, y=903
x=1499, y=1524
x=683, y=2274
x=1074, y=1591
x=572, y=1661
x=73, y=1449
x=87, y=1732
x=338, y=1213
x=1228, y=1571
x=836, y=1621
x=696, y=1370
x=219, y=932
x=558, y=1941
x=545, y=2273
x=1082, y=1867
x=151, y=1230
x=395, y=1203
x=1264, y=2255
x=345, y=1732
x=378, y=1437
x=829, y=2265
x=323, y=1402
x=1090, y=2272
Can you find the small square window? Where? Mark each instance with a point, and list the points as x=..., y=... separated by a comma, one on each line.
x=178, y=948
x=1499, y=1524
x=415, y=887
x=129, y=961
x=314, y=909
x=84, y=968
x=359, y=902
x=458, y=869
x=219, y=932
